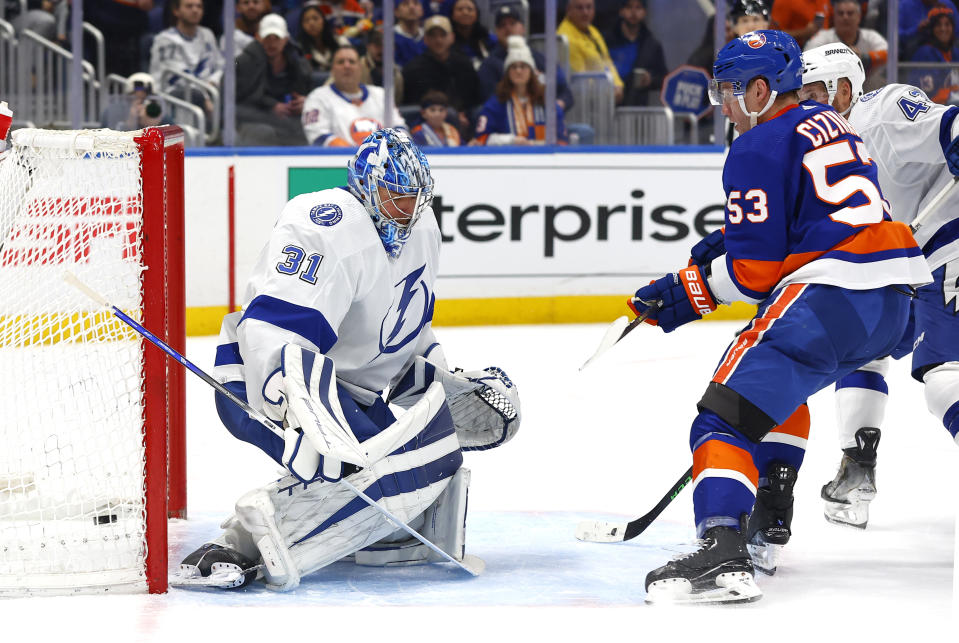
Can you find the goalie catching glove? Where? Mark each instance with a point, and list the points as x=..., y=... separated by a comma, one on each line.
x=675, y=299
x=484, y=404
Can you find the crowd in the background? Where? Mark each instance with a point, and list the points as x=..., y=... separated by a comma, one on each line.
x=310, y=72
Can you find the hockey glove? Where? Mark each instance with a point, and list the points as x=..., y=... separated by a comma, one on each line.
x=709, y=247
x=952, y=156
x=675, y=299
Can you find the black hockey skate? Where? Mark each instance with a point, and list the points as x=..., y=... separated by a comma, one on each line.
x=854, y=487
x=769, y=526
x=718, y=572
x=214, y=565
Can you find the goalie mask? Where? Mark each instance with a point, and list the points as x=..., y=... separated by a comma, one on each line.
x=828, y=63
x=391, y=176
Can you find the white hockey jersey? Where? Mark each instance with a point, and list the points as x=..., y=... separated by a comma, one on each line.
x=905, y=133
x=329, y=115
x=198, y=56
x=324, y=281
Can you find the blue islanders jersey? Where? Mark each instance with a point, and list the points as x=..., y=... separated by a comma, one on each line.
x=803, y=205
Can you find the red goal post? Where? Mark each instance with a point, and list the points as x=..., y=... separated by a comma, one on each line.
x=94, y=458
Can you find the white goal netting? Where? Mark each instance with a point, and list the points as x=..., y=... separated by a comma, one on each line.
x=72, y=485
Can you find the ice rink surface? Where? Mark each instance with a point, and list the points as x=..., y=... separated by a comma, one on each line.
x=604, y=443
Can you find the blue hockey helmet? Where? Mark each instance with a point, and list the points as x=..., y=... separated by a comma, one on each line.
x=774, y=55
x=388, y=158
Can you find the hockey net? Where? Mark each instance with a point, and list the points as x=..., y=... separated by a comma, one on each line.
x=87, y=411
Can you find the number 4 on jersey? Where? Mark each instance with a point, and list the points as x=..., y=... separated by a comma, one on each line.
x=912, y=108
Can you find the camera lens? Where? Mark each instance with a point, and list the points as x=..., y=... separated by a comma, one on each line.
x=152, y=109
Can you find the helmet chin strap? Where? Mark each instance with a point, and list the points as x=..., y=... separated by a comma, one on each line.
x=754, y=116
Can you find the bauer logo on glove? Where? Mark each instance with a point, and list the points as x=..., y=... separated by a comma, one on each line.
x=674, y=300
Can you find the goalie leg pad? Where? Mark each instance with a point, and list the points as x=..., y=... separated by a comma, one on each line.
x=443, y=524
x=299, y=528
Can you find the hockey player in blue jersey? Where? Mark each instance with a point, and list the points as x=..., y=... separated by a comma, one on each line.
x=336, y=329
x=807, y=238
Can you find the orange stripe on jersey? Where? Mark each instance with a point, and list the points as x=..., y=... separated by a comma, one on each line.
x=716, y=454
x=757, y=274
x=752, y=335
x=796, y=424
x=762, y=276
x=887, y=235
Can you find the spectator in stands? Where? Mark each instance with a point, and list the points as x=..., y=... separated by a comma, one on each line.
x=139, y=107
x=189, y=49
x=801, y=19
x=748, y=15
x=434, y=131
x=744, y=16
x=345, y=111
x=47, y=18
x=351, y=18
x=587, y=49
x=316, y=39
x=913, y=22
x=272, y=79
x=472, y=38
x=248, y=14
x=371, y=65
x=940, y=38
x=638, y=56
x=509, y=22
x=516, y=113
x=408, y=31
x=443, y=69
x=868, y=44
x=124, y=23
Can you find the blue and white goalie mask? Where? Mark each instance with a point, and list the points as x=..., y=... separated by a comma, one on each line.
x=391, y=176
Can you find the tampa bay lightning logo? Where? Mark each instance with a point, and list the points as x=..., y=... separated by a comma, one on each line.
x=327, y=214
x=412, y=308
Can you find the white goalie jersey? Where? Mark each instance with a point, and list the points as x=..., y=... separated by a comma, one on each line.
x=906, y=134
x=325, y=282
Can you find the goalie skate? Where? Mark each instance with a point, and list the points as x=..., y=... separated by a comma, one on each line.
x=848, y=496
x=719, y=572
x=215, y=566
x=770, y=524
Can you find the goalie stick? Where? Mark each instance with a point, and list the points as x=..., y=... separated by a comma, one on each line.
x=600, y=531
x=470, y=564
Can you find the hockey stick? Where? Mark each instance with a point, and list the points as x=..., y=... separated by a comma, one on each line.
x=933, y=205
x=470, y=564
x=599, y=531
x=616, y=331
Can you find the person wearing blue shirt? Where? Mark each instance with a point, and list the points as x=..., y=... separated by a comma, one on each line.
x=637, y=54
x=913, y=17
